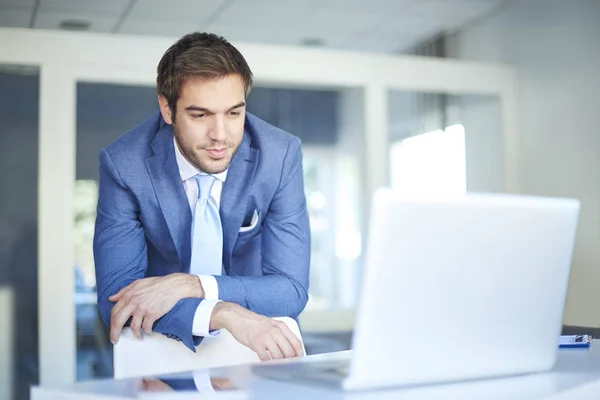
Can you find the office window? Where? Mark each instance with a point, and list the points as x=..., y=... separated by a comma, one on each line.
x=432, y=162
x=19, y=148
x=122, y=107
x=328, y=123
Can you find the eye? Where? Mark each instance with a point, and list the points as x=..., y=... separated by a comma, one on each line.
x=199, y=116
x=234, y=113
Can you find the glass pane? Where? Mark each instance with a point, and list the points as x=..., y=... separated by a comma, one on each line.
x=19, y=117
x=104, y=112
x=443, y=143
x=329, y=123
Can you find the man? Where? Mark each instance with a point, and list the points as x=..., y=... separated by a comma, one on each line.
x=202, y=221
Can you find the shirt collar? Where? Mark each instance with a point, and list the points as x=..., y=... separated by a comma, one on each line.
x=187, y=170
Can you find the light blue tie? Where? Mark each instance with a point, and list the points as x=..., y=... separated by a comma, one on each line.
x=207, y=233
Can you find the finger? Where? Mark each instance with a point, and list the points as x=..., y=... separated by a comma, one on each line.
x=292, y=339
x=274, y=349
x=118, y=307
x=118, y=320
x=136, y=324
x=285, y=347
x=263, y=354
x=117, y=296
x=148, y=323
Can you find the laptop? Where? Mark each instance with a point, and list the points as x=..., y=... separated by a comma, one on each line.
x=454, y=288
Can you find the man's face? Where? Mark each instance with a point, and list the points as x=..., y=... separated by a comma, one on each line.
x=209, y=123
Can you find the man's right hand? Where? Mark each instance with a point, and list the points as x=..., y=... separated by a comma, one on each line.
x=269, y=338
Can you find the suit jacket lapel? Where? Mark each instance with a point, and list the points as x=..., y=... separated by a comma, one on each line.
x=234, y=197
x=165, y=177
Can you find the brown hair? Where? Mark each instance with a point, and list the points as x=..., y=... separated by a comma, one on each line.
x=199, y=54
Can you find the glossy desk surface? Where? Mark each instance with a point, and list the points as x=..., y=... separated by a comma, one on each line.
x=575, y=376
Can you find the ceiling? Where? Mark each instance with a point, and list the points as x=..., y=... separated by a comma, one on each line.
x=363, y=25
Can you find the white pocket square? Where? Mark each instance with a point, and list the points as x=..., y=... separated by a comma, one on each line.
x=253, y=223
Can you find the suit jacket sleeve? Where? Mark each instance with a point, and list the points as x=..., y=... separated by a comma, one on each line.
x=283, y=288
x=120, y=253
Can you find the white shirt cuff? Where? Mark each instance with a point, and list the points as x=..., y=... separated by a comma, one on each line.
x=201, y=323
x=210, y=286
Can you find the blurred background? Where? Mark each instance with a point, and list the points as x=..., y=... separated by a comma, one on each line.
x=355, y=137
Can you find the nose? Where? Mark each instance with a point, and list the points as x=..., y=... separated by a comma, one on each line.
x=218, y=129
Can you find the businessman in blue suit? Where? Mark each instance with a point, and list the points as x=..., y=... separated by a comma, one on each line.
x=202, y=221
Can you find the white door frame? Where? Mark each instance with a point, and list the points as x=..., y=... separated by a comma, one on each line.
x=65, y=58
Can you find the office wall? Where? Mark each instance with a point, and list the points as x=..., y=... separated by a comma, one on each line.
x=554, y=45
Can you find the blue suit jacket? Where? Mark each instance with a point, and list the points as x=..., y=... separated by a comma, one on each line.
x=144, y=221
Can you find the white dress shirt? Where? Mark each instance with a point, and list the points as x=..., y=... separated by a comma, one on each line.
x=187, y=171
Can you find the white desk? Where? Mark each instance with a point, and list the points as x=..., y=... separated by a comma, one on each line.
x=575, y=376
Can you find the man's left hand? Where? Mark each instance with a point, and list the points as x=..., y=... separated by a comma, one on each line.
x=148, y=299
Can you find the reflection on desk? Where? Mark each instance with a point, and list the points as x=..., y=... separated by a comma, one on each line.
x=576, y=374
x=189, y=384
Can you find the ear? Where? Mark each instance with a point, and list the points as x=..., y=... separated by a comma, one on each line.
x=165, y=110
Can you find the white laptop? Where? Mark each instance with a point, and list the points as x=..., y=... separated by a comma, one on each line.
x=454, y=288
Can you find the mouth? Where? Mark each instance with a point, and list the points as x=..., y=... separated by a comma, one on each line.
x=217, y=153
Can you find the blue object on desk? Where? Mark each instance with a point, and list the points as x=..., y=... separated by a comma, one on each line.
x=574, y=341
